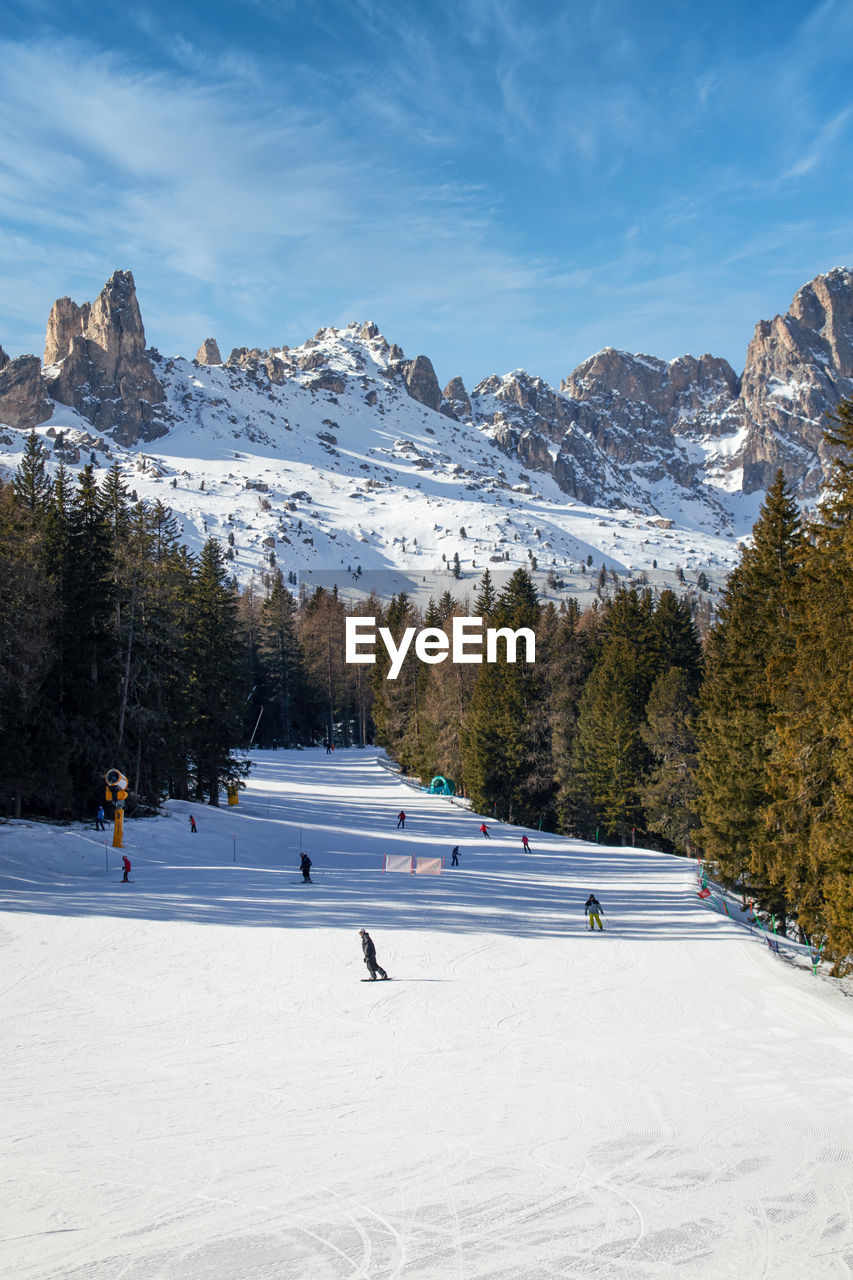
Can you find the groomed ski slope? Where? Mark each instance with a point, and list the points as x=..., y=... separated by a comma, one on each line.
x=196, y=1083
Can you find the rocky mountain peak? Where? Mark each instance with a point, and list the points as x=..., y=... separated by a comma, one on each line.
x=208, y=352
x=456, y=401
x=96, y=362
x=421, y=382
x=23, y=403
x=798, y=366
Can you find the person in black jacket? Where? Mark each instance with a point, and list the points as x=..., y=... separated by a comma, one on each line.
x=305, y=868
x=373, y=965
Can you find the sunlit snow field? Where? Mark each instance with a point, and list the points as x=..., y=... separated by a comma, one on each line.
x=197, y=1083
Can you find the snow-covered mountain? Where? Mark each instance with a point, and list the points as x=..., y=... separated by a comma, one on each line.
x=344, y=456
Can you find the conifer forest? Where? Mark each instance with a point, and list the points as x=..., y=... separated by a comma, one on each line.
x=120, y=648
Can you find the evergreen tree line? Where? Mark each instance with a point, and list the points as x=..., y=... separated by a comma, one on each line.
x=120, y=649
x=595, y=739
x=775, y=729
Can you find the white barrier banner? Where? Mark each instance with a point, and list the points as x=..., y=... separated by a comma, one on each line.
x=398, y=862
x=428, y=867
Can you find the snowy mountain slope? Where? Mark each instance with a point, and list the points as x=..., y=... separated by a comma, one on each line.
x=198, y=1083
x=343, y=455
x=330, y=465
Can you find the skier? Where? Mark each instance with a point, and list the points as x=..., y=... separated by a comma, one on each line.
x=525, y=844
x=99, y=819
x=593, y=909
x=328, y=747
x=373, y=965
x=485, y=830
x=305, y=868
x=401, y=820
x=455, y=856
x=193, y=827
x=125, y=862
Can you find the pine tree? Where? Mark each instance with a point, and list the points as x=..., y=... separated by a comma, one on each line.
x=31, y=483
x=737, y=740
x=88, y=642
x=27, y=653
x=217, y=690
x=487, y=596
x=574, y=652
x=669, y=796
x=322, y=639
x=506, y=741
x=282, y=659
x=674, y=640
x=610, y=753
x=811, y=817
x=160, y=712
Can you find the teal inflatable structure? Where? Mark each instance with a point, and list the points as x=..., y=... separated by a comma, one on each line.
x=442, y=786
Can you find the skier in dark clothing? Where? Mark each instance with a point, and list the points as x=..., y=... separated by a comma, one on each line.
x=454, y=862
x=125, y=862
x=593, y=909
x=305, y=868
x=401, y=820
x=99, y=819
x=373, y=965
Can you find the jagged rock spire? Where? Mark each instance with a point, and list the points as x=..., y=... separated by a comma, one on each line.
x=96, y=362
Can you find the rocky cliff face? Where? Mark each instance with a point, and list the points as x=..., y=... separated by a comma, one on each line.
x=208, y=352
x=623, y=424
x=23, y=403
x=798, y=366
x=621, y=430
x=95, y=361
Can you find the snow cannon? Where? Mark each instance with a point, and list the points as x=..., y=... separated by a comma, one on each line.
x=116, y=794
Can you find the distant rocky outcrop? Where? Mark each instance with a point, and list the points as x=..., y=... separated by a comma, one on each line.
x=208, y=352
x=421, y=382
x=95, y=360
x=798, y=366
x=456, y=402
x=621, y=429
x=23, y=403
x=622, y=424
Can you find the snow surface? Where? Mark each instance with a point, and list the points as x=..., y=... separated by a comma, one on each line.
x=197, y=1083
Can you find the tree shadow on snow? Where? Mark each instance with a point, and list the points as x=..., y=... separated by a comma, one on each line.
x=242, y=868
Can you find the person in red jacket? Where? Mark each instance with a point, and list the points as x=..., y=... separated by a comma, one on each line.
x=485, y=830
x=401, y=820
x=525, y=844
x=125, y=862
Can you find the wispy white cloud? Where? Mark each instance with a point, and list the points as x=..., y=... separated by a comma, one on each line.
x=483, y=176
x=817, y=150
x=254, y=193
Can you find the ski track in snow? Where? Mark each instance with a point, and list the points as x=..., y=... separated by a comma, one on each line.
x=199, y=1085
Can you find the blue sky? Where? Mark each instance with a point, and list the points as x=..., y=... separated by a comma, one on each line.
x=498, y=184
